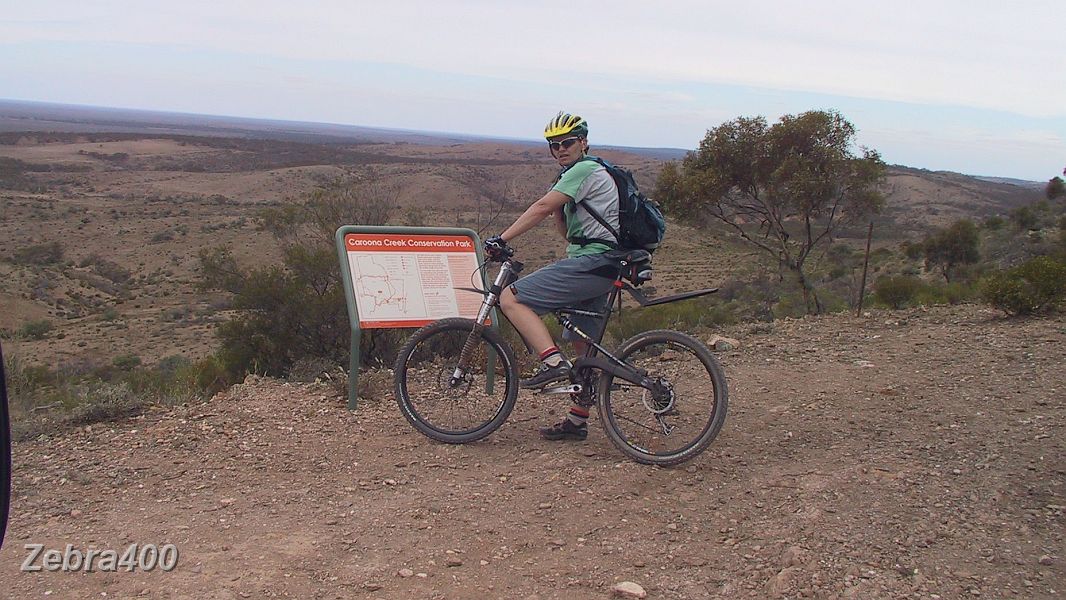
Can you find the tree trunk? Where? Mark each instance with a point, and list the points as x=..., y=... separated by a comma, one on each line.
x=810, y=295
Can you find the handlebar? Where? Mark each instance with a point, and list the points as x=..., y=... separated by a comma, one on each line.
x=497, y=250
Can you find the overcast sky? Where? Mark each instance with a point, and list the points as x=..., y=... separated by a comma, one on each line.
x=972, y=86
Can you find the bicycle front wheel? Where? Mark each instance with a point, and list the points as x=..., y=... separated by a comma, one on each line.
x=450, y=397
x=682, y=413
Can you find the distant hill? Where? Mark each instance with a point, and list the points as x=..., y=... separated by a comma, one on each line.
x=919, y=199
x=1010, y=181
x=41, y=116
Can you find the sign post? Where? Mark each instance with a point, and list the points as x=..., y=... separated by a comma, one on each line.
x=406, y=277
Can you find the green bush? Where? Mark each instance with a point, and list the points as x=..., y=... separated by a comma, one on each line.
x=957, y=293
x=913, y=251
x=948, y=293
x=831, y=302
x=296, y=310
x=39, y=254
x=162, y=236
x=106, y=268
x=1030, y=287
x=994, y=223
x=790, y=305
x=1024, y=217
x=287, y=314
x=687, y=315
x=85, y=392
x=952, y=248
x=897, y=291
x=171, y=364
x=36, y=330
x=1055, y=188
x=126, y=362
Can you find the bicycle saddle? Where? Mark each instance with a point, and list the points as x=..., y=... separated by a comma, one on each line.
x=629, y=256
x=635, y=264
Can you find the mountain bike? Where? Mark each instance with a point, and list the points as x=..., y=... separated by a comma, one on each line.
x=661, y=395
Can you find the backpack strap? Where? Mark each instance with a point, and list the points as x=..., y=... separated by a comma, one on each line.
x=582, y=241
x=595, y=215
x=601, y=221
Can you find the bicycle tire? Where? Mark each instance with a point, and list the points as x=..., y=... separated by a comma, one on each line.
x=681, y=361
x=5, y=452
x=433, y=406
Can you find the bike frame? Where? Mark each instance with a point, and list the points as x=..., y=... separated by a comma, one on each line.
x=609, y=363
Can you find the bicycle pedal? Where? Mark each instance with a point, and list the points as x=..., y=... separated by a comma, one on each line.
x=562, y=389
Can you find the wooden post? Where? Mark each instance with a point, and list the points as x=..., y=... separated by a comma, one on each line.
x=865, y=267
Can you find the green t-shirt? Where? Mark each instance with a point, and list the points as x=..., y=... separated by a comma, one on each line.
x=587, y=181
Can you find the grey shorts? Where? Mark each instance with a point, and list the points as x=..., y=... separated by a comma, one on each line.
x=569, y=283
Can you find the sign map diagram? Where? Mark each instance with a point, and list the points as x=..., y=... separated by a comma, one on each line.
x=409, y=280
x=382, y=284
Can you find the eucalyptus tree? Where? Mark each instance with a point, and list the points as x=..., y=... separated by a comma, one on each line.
x=785, y=188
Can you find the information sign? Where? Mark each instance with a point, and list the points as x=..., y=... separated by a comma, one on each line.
x=407, y=277
x=410, y=280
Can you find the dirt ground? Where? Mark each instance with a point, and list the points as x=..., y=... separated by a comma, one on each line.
x=912, y=454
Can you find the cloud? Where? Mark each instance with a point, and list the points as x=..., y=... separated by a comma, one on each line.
x=649, y=74
x=992, y=55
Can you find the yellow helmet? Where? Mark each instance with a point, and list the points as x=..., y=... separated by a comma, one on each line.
x=564, y=123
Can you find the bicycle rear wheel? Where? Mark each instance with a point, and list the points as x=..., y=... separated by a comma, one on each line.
x=681, y=416
x=452, y=402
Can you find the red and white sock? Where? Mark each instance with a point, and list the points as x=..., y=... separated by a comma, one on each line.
x=578, y=415
x=552, y=357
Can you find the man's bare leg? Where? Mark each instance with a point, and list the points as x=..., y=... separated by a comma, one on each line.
x=527, y=322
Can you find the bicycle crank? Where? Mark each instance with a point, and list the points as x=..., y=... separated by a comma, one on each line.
x=574, y=388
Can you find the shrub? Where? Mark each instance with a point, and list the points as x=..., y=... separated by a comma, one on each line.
x=913, y=251
x=208, y=375
x=686, y=316
x=993, y=223
x=1024, y=217
x=106, y=268
x=949, y=293
x=36, y=330
x=126, y=362
x=832, y=303
x=897, y=291
x=414, y=217
x=957, y=293
x=297, y=310
x=85, y=391
x=169, y=365
x=790, y=306
x=162, y=236
x=22, y=381
x=39, y=254
x=952, y=248
x=97, y=401
x=1030, y=287
x=1055, y=188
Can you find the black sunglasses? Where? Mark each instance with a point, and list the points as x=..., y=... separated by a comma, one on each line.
x=570, y=141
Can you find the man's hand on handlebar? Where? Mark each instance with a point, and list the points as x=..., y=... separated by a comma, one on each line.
x=497, y=250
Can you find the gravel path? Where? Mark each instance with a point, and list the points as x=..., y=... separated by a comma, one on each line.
x=914, y=454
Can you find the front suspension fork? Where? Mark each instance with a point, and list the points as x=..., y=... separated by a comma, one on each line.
x=508, y=270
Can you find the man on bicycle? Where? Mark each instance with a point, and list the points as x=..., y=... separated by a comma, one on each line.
x=582, y=279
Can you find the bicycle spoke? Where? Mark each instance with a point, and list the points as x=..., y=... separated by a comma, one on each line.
x=682, y=409
x=638, y=424
x=450, y=408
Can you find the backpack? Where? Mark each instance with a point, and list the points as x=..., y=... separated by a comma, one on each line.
x=640, y=219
